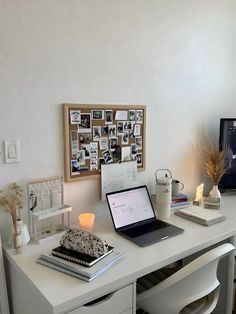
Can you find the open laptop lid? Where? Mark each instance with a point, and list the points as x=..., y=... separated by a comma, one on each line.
x=130, y=207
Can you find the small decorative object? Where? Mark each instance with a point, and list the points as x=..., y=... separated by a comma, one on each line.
x=46, y=208
x=12, y=203
x=86, y=221
x=211, y=202
x=199, y=194
x=214, y=167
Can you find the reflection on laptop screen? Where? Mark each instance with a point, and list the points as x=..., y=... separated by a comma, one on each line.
x=130, y=206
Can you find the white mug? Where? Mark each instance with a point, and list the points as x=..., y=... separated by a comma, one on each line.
x=177, y=186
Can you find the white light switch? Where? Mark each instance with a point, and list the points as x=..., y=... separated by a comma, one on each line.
x=12, y=151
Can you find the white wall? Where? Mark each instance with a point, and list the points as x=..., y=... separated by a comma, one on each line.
x=175, y=56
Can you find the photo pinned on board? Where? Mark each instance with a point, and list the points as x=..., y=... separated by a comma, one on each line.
x=85, y=123
x=98, y=114
x=80, y=157
x=108, y=116
x=113, y=143
x=116, y=154
x=75, y=116
x=103, y=143
x=96, y=132
x=125, y=138
x=105, y=129
x=75, y=168
x=120, y=127
x=139, y=158
x=112, y=130
x=138, y=142
x=107, y=156
x=139, y=116
x=127, y=125
x=132, y=115
x=86, y=148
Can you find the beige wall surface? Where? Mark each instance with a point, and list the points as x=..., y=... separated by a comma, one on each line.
x=177, y=57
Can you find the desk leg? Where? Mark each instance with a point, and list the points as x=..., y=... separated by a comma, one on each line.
x=230, y=280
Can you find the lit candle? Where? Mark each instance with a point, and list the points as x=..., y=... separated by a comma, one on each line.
x=86, y=221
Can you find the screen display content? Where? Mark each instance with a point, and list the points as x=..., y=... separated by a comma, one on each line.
x=227, y=141
x=131, y=206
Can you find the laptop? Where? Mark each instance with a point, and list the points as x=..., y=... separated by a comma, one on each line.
x=134, y=218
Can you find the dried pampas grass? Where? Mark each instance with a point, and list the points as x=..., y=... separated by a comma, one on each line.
x=214, y=164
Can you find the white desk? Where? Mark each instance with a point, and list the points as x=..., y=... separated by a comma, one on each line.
x=38, y=289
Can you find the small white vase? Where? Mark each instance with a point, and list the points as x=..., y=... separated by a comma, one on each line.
x=215, y=192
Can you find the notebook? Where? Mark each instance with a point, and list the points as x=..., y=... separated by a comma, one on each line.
x=80, y=271
x=134, y=218
x=206, y=217
x=78, y=257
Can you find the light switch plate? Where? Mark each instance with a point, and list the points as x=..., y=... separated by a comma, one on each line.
x=12, y=151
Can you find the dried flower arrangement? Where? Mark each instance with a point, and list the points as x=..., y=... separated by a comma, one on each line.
x=214, y=164
x=13, y=202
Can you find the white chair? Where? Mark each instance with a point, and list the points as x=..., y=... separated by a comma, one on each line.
x=192, y=289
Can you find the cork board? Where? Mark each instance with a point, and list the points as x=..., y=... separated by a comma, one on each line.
x=98, y=134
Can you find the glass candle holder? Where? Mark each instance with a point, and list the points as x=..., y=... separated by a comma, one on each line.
x=86, y=221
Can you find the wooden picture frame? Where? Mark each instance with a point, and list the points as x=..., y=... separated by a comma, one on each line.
x=96, y=133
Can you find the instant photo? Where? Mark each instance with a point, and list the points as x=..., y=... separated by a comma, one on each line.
x=107, y=156
x=96, y=133
x=105, y=129
x=113, y=143
x=86, y=148
x=74, y=167
x=108, y=116
x=112, y=130
x=75, y=116
x=98, y=114
x=85, y=138
x=139, y=116
x=139, y=158
x=125, y=138
x=132, y=115
x=116, y=154
x=138, y=142
x=103, y=143
x=120, y=127
x=80, y=157
x=127, y=125
x=85, y=123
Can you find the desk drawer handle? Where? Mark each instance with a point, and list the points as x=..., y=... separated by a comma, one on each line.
x=102, y=299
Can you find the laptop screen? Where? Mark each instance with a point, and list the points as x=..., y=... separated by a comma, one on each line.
x=130, y=206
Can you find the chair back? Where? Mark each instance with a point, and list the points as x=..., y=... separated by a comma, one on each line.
x=194, y=281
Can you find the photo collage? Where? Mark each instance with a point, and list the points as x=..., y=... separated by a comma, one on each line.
x=99, y=136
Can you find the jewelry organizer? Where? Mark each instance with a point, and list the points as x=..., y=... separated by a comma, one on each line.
x=48, y=215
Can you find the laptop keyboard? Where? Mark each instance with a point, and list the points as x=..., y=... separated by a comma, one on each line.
x=144, y=229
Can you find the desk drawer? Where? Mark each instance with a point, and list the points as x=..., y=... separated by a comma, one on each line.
x=117, y=302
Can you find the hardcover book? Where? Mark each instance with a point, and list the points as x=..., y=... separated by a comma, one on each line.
x=179, y=198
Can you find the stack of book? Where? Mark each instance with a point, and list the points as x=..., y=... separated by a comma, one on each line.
x=180, y=201
x=77, y=264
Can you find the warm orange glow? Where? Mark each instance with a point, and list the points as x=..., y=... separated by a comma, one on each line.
x=86, y=221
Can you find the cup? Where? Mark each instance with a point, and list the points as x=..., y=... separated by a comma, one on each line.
x=177, y=186
x=86, y=221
